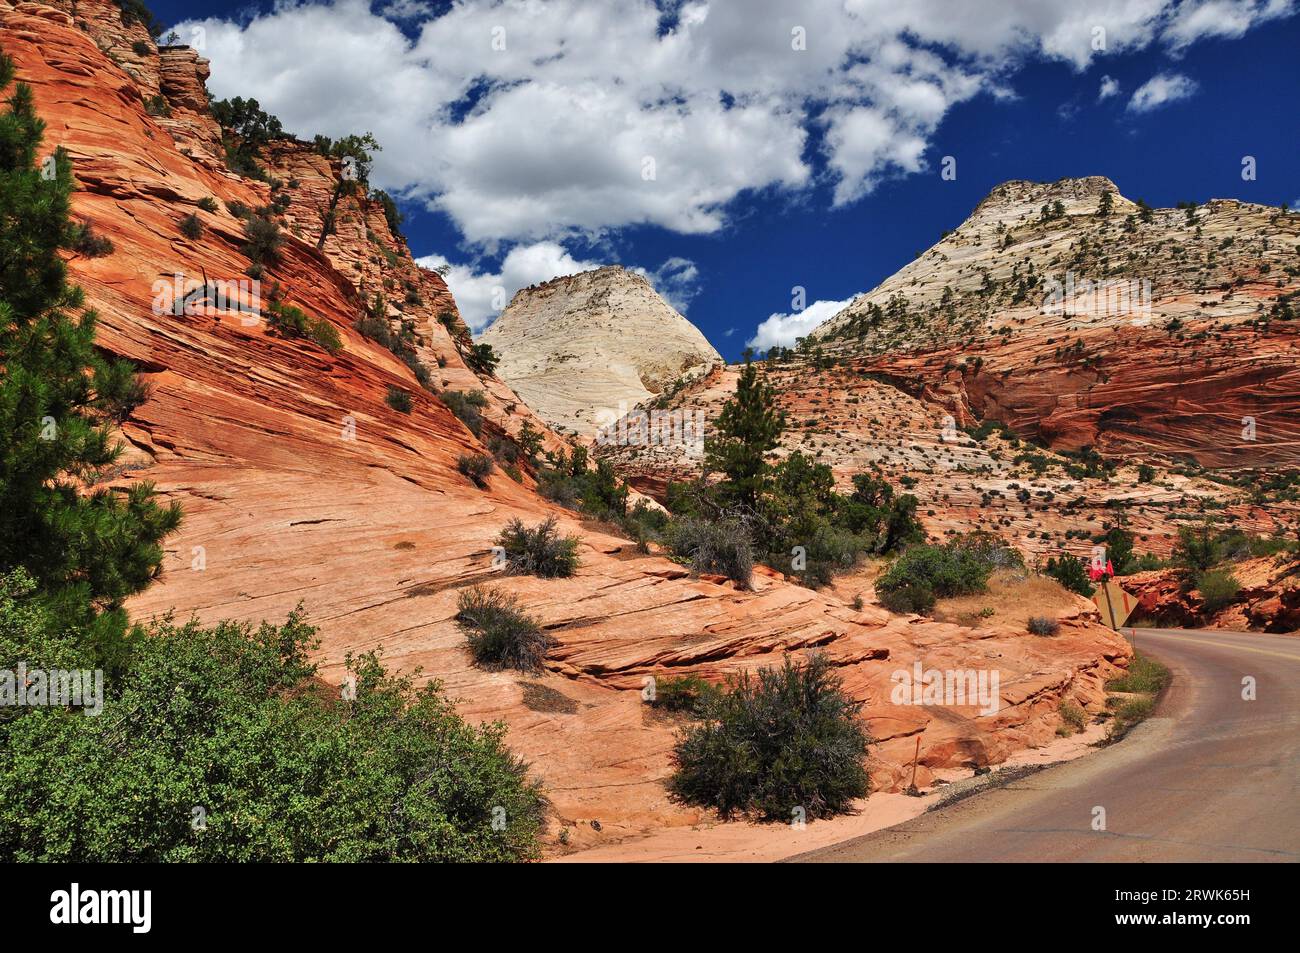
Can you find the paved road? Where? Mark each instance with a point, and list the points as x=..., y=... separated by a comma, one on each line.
x=1210, y=778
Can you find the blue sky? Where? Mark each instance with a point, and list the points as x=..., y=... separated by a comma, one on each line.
x=772, y=166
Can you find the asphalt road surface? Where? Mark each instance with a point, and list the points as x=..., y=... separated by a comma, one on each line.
x=1211, y=777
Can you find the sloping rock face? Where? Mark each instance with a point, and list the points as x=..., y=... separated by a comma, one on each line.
x=301, y=485
x=1137, y=331
x=583, y=349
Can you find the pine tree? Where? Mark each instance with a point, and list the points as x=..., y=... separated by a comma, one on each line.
x=748, y=428
x=87, y=549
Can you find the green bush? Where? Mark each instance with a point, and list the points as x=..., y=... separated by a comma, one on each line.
x=1218, y=589
x=398, y=399
x=568, y=480
x=233, y=725
x=539, y=551
x=481, y=358
x=1129, y=714
x=1071, y=572
x=158, y=107
x=84, y=240
x=721, y=546
x=1144, y=675
x=208, y=203
x=293, y=322
x=1197, y=548
x=784, y=739
x=959, y=568
x=912, y=596
x=468, y=406
x=264, y=240
x=1073, y=717
x=192, y=227
x=131, y=12
x=477, y=466
x=684, y=693
x=500, y=635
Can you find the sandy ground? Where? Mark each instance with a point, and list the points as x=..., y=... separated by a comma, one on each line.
x=747, y=842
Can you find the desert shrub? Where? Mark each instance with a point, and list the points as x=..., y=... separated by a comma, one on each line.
x=84, y=240
x=504, y=449
x=1071, y=572
x=568, y=480
x=237, y=720
x=481, y=358
x=911, y=596
x=959, y=568
x=1072, y=716
x=1043, y=625
x=530, y=441
x=686, y=693
x=141, y=48
x=468, y=406
x=720, y=546
x=158, y=107
x=375, y=327
x=208, y=203
x=398, y=399
x=192, y=227
x=1218, y=589
x=778, y=740
x=643, y=524
x=500, y=635
x=417, y=368
x=1144, y=675
x=293, y=322
x=477, y=466
x=238, y=209
x=1197, y=549
x=131, y=12
x=826, y=550
x=1129, y=714
x=264, y=240
x=1145, y=562
x=540, y=551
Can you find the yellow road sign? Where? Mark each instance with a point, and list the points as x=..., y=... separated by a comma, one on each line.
x=1115, y=604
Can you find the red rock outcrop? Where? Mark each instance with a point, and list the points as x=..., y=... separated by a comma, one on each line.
x=1156, y=331
x=300, y=484
x=1268, y=601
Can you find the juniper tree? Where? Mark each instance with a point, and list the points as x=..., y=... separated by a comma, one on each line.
x=87, y=549
x=746, y=431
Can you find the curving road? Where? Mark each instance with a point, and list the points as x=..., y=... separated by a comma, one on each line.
x=1211, y=777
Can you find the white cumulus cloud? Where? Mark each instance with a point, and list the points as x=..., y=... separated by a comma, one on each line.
x=1109, y=88
x=535, y=120
x=1160, y=90
x=785, y=329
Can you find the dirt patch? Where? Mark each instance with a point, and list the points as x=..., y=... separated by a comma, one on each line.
x=1012, y=597
x=543, y=698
